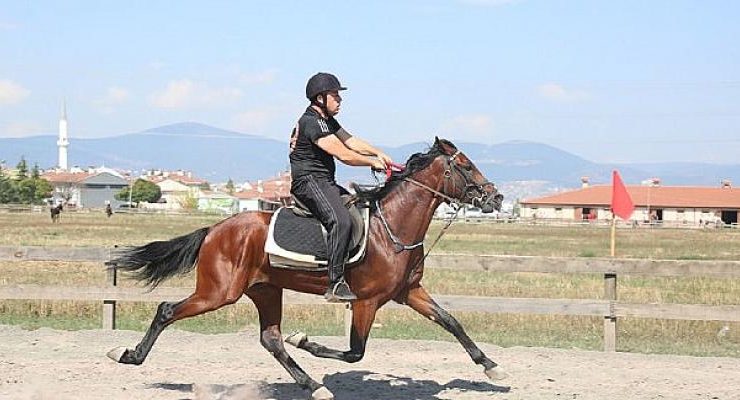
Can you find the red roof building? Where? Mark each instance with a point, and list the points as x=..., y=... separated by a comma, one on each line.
x=670, y=204
x=265, y=195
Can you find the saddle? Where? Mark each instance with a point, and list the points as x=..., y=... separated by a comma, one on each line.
x=297, y=240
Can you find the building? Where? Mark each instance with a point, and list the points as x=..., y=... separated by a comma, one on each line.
x=89, y=189
x=676, y=205
x=177, y=187
x=265, y=195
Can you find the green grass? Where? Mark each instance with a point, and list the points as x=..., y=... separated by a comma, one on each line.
x=637, y=335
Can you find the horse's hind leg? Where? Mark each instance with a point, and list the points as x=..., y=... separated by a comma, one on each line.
x=363, y=315
x=269, y=303
x=420, y=300
x=210, y=294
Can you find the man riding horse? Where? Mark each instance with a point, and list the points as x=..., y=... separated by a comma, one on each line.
x=316, y=140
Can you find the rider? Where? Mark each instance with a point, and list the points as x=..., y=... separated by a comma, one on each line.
x=316, y=140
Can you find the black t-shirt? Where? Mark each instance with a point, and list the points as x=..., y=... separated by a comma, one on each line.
x=306, y=157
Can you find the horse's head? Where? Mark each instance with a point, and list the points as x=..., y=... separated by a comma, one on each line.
x=463, y=181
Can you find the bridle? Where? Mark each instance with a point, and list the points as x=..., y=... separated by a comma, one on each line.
x=471, y=192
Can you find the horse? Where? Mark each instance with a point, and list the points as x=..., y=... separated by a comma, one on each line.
x=55, y=212
x=231, y=261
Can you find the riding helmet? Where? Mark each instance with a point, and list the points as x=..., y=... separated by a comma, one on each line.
x=322, y=82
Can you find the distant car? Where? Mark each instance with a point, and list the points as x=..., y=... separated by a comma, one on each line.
x=127, y=205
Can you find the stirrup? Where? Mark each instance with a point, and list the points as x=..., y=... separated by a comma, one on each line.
x=339, y=292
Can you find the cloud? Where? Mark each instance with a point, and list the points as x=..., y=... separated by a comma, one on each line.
x=114, y=96
x=12, y=93
x=262, y=77
x=556, y=92
x=185, y=93
x=468, y=124
x=255, y=120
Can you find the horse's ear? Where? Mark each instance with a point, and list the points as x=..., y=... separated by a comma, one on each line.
x=436, y=141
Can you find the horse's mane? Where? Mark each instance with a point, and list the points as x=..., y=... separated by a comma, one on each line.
x=415, y=163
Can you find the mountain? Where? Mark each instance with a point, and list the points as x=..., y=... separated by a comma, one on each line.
x=519, y=168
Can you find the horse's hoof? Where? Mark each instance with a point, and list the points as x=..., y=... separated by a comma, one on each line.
x=496, y=374
x=322, y=393
x=116, y=354
x=296, y=338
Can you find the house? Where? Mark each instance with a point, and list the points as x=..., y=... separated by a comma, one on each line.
x=90, y=188
x=176, y=186
x=677, y=205
x=265, y=195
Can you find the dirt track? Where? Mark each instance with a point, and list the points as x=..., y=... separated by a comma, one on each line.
x=48, y=364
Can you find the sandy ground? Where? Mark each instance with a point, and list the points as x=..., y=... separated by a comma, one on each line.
x=48, y=364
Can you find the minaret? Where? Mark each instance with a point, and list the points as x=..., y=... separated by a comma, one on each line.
x=63, y=141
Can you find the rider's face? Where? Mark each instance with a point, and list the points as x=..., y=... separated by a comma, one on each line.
x=333, y=102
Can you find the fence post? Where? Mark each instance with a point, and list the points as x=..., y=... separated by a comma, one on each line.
x=348, y=319
x=610, y=321
x=109, y=306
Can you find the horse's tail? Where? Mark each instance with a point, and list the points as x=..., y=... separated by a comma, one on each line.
x=157, y=261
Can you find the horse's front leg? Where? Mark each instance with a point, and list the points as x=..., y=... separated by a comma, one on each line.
x=420, y=300
x=363, y=315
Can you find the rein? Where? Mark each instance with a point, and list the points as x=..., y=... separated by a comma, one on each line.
x=399, y=247
x=396, y=241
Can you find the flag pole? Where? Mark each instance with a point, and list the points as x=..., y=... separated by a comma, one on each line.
x=614, y=233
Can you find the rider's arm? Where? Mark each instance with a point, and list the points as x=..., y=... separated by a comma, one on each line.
x=332, y=145
x=361, y=146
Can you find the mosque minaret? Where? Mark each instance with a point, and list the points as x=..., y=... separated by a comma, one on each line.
x=63, y=142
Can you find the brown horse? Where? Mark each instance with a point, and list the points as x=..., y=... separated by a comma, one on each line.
x=231, y=261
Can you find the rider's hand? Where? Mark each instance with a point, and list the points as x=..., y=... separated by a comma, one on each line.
x=378, y=164
x=386, y=159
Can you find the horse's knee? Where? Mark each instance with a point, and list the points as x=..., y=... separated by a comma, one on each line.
x=166, y=311
x=271, y=342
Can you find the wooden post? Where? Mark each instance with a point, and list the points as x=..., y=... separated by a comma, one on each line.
x=348, y=319
x=109, y=306
x=610, y=321
x=613, y=235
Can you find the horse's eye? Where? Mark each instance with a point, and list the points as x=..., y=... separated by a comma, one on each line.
x=468, y=167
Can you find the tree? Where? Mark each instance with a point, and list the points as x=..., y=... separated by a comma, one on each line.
x=24, y=189
x=143, y=190
x=35, y=173
x=189, y=201
x=230, y=187
x=43, y=190
x=8, y=192
x=22, y=169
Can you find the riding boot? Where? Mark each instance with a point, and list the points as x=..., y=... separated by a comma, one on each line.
x=338, y=290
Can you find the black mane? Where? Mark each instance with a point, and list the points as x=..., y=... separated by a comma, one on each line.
x=415, y=163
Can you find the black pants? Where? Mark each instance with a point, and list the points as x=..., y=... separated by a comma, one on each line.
x=322, y=197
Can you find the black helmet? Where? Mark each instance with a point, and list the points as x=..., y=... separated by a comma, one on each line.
x=320, y=83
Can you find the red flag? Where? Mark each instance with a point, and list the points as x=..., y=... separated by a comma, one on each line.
x=622, y=205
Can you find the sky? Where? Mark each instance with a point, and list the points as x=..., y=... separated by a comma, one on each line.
x=610, y=81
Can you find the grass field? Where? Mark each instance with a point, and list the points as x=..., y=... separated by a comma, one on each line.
x=641, y=335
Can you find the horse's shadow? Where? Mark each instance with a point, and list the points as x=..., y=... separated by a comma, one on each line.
x=354, y=385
